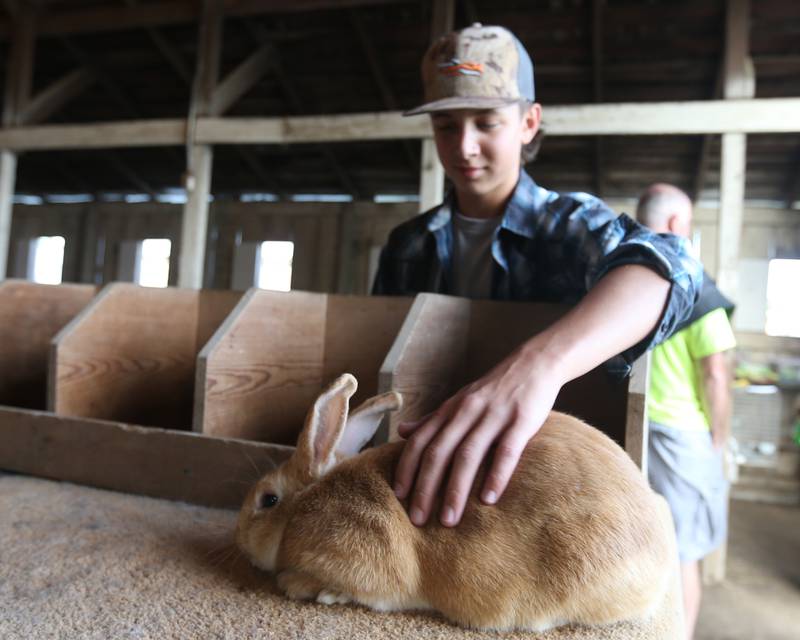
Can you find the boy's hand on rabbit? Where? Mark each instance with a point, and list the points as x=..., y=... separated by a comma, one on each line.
x=505, y=408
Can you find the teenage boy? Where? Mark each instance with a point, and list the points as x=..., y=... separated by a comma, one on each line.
x=500, y=235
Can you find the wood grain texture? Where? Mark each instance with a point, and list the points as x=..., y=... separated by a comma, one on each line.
x=154, y=462
x=30, y=315
x=264, y=369
x=448, y=342
x=427, y=360
x=267, y=364
x=131, y=356
x=359, y=332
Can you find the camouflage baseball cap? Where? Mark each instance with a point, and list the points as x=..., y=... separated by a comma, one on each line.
x=475, y=68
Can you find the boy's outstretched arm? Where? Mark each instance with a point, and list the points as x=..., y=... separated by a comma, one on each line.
x=509, y=404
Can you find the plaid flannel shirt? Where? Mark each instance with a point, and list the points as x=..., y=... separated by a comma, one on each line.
x=549, y=247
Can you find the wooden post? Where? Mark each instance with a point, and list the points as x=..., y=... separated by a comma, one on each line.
x=18, y=90
x=739, y=82
x=636, y=425
x=431, y=189
x=200, y=158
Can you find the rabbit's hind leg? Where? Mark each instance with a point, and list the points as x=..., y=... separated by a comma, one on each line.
x=298, y=585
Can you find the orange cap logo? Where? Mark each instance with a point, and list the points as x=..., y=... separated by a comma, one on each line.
x=455, y=67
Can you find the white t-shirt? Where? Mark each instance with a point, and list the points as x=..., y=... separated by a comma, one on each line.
x=472, y=255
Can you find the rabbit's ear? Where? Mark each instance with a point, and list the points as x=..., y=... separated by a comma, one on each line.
x=364, y=422
x=316, y=447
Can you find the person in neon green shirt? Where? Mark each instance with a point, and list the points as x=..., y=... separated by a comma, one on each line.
x=689, y=410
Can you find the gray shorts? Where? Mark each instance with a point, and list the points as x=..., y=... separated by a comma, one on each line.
x=683, y=467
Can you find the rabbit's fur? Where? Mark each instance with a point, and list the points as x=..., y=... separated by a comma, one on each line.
x=577, y=536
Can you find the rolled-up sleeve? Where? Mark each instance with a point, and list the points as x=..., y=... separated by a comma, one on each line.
x=622, y=241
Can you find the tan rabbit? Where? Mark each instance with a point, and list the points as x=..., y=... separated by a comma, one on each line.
x=577, y=536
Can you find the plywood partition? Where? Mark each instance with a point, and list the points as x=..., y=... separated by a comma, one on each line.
x=30, y=315
x=130, y=356
x=448, y=342
x=262, y=370
x=162, y=463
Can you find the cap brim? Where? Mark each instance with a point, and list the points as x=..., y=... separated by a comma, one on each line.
x=446, y=104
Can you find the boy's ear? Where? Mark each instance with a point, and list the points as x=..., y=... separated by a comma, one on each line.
x=531, y=121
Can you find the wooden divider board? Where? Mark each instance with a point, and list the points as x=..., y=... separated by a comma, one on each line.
x=30, y=315
x=427, y=358
x=261, y=372
x=214, y=472
x=448, y=342
x=263, y=367
x=359, y=332
x=130, y=355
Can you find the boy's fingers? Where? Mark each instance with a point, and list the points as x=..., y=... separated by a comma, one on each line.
x=505, y=460
x=466, y=462
x=436, y=459
x=406, y=469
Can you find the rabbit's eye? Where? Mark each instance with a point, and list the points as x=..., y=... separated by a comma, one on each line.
x=268, y=500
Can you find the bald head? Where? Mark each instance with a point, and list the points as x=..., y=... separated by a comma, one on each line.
x=665, y=209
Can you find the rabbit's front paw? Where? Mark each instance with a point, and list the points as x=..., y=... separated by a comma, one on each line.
x=331, y=597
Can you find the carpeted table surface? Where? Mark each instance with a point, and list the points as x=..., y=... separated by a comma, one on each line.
x=77, y=563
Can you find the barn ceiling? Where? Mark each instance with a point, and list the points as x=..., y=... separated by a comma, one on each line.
x=357, y=56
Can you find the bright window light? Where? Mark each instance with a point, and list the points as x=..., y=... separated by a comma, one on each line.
x=47, y=259
x=153, y=268
x=275, y=269
x=783, y=303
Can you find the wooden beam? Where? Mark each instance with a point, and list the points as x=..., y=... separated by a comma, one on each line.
x=173, y=56
x=704, y=154
x=8, y=177
x=240, y=80
x=636, y=424
x=19, y=78
x=170, y=12
x=97, y=135
x=597, y=81
x=379, y=77
x=739, y=82
x=431, y=185
x=126, y=103
x=200, y=157
x=49, y=100
x=443, y=17
x=258, y=33
x=759, y=115
x=170, y=53
x=19, y=75
x=431, y=181
x=104, y=78
x=144, y=460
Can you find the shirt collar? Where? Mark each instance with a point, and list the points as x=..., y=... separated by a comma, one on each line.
x=527, y=197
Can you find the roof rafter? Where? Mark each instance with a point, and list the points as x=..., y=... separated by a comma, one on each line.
x=257, y=33
x=50, y=99
x=597, y=85
x=169, y=12
x=379, y=76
